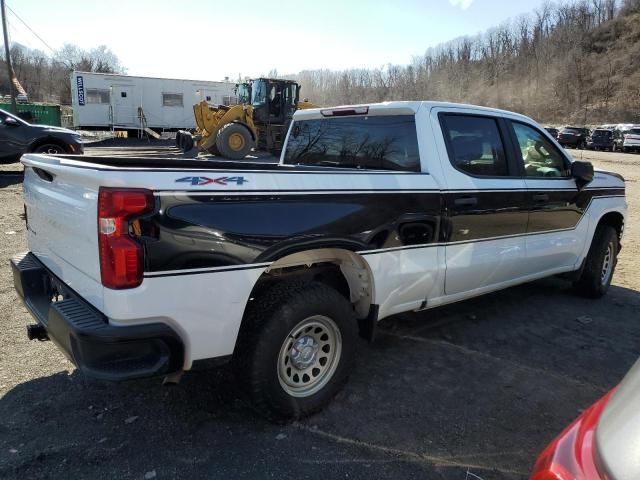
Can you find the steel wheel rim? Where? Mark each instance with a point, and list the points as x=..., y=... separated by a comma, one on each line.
x=236, y=142
x=607, y=265
x=51, y=149
x=309, y=356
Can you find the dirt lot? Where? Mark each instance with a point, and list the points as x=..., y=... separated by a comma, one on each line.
x=476, y=388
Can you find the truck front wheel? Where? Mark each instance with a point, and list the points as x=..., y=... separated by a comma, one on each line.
x=296, y=349
x=234, y=141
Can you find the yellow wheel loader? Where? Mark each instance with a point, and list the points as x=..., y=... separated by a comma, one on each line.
x=260, y=120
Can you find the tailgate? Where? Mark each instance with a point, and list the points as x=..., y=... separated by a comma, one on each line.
x=61, y=204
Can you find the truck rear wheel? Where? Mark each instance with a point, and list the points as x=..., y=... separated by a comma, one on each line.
x=296, y=349
x=234, y=141
x=596, y=275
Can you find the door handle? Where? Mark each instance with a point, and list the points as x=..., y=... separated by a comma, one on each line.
x=540, y=197
x=466, y=202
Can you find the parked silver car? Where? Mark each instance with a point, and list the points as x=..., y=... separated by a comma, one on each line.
x=632, y=140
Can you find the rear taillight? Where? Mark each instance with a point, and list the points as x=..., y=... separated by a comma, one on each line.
x=572, y=455
x=121, y=262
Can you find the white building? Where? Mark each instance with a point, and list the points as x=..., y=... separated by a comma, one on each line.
x=104, y=101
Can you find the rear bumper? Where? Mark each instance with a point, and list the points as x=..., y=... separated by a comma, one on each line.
x=100, y=350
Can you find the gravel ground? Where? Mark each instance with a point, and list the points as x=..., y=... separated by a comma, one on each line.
x=478, y=387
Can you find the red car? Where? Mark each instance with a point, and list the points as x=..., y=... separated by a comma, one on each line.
x=601, y=444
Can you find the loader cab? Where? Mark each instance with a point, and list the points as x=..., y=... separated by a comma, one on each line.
x=274, y=101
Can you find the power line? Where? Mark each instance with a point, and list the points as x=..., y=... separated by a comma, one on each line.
x=30, y=29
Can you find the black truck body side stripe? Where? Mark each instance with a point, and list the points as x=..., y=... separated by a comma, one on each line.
x=238, y=231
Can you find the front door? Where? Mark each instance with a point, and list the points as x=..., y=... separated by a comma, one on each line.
x=555, y=233
x=13, y=137
x=485, y=204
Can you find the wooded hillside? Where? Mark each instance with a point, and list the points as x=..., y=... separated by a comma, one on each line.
x=575, y=62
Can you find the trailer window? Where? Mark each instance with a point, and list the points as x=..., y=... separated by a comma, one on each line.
x=375, y=142
x=96, y=95
x=172, y=100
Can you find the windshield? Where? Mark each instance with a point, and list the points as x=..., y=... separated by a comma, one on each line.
x=258, y=92
x=601, y=133
x=634, y=131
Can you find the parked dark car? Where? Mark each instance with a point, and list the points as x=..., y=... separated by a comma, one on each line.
x=552, y=131
x=602, y=443
x=18, y=137
x=575, y=137
x=601, y=139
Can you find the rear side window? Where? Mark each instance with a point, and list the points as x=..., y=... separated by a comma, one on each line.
x=386, y=142
x=541, y=158
x=475, y=145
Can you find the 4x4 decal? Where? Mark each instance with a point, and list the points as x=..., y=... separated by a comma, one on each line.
x=206, y=180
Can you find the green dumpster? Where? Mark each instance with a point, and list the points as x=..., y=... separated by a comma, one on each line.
x=37, y=113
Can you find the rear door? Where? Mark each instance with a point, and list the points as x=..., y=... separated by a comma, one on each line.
x=552, y=241
x=485, y=202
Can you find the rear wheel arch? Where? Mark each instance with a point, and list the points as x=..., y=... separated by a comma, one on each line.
x=345, y=271
x=336, y=267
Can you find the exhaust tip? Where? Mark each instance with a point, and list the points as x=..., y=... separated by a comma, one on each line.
x=37, y=332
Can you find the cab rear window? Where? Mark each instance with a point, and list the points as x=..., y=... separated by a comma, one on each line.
x=385, y=142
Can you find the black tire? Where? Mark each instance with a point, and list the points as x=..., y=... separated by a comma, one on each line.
x=187, y=142
x=271, y=321
x=234, y=141
x=594, y=281
x=178, y=139
x=213, y=150
x=50, y=149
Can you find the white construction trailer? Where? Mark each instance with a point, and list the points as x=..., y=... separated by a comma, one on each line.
x=121, y=102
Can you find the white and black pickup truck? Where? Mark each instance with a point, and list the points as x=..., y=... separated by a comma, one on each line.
x=139, y=267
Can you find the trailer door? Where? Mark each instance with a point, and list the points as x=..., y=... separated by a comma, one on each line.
x=125, y=113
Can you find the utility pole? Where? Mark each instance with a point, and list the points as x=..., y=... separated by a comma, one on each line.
x=12, y=87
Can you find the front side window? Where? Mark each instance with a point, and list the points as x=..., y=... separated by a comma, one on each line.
x=172, y=100
x=541, y=158
x=386, y=142
x=97, y=95
x=475, y=145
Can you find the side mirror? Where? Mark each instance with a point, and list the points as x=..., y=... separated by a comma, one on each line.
x=11, y=122
x=582, y=172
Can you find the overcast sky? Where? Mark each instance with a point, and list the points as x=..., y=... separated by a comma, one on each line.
x=212, y=39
